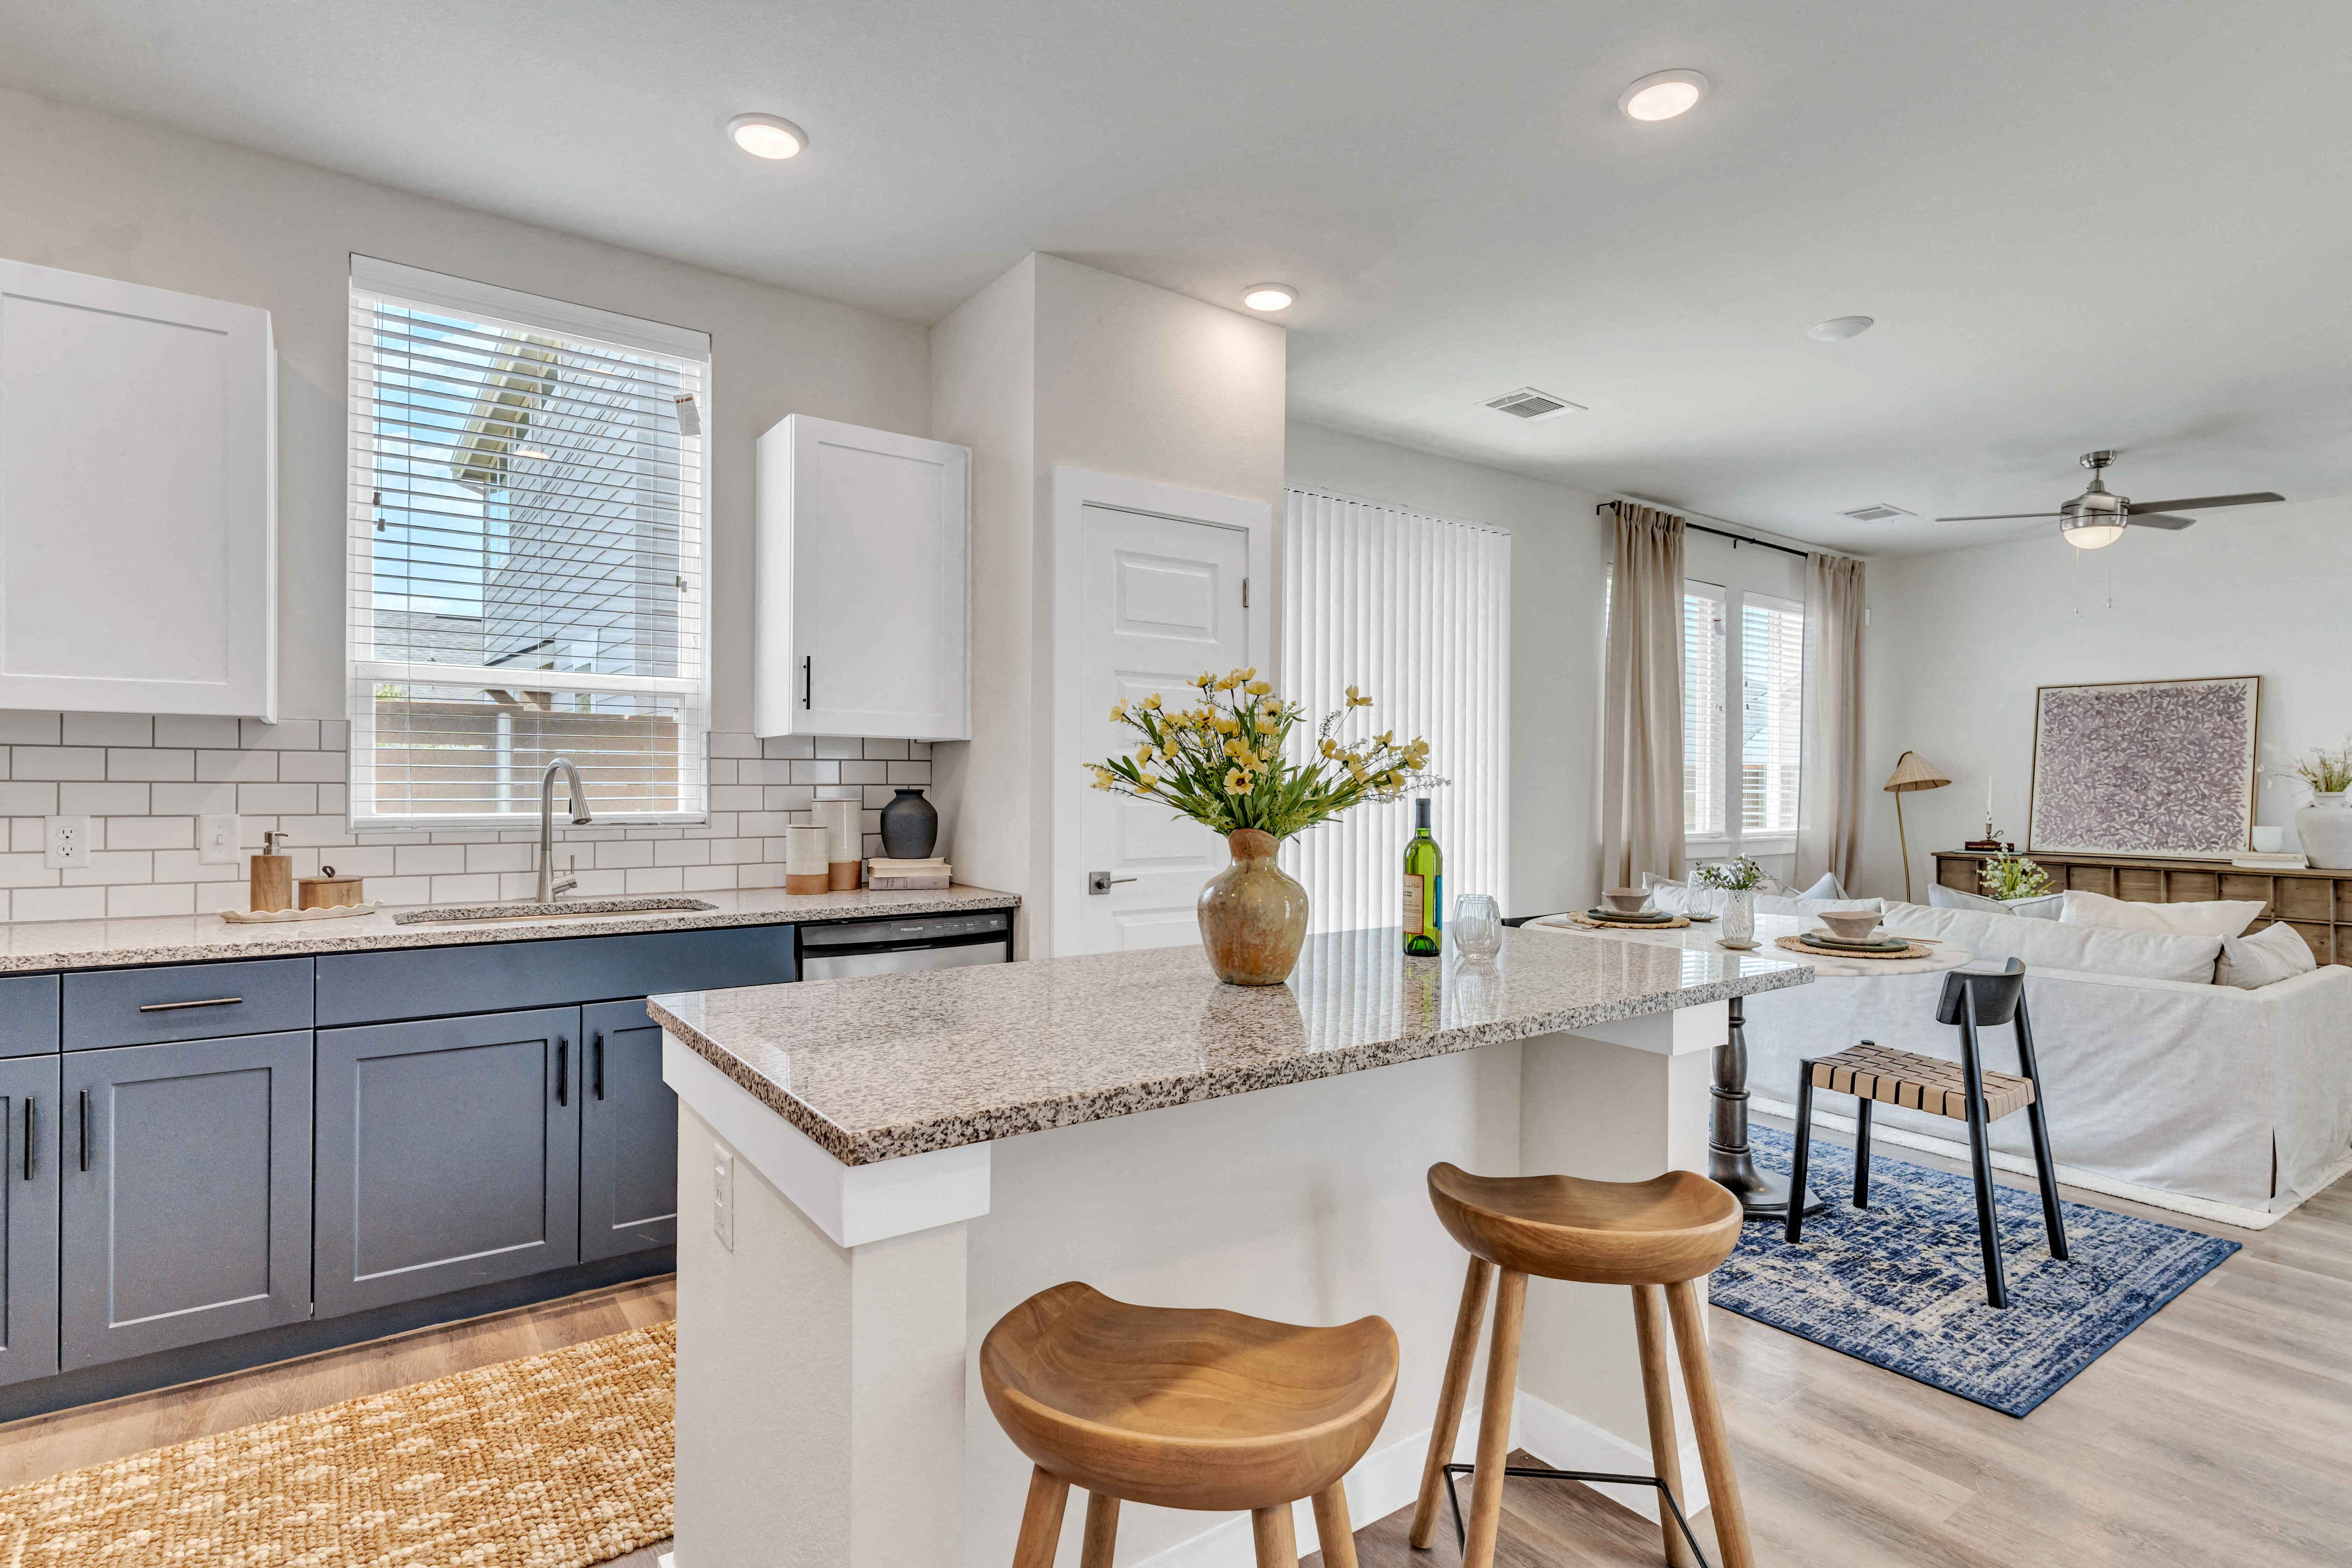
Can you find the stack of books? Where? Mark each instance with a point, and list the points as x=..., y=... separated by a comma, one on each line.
x=2260, y=861
x=907, y=875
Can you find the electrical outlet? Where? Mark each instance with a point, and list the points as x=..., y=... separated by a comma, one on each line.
x=217, y=839
x=65, y=843
x=722, y=1196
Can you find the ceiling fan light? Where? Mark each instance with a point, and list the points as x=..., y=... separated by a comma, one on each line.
x=2084, y=533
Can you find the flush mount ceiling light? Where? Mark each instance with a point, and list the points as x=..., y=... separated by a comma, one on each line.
x=1661, y=95
x=1837, y=329
x=767, y=136
x=1269, y=296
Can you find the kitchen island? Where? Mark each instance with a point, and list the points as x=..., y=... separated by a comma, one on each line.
x=872, y=1171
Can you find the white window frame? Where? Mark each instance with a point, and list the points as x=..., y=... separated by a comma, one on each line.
x=1733, y=840
x=492, y=305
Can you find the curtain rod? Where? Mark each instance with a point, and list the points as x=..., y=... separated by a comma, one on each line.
x=1737, y=539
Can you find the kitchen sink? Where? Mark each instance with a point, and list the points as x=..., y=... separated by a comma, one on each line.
x=566, y=909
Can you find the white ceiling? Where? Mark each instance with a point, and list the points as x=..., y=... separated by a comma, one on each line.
x=2120, y=225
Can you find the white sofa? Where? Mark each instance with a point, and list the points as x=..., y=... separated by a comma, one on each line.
x=2232, y=1104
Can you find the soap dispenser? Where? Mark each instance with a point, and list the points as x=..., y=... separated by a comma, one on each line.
x=272, y=885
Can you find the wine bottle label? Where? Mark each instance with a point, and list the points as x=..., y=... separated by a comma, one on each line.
x=1414, y=906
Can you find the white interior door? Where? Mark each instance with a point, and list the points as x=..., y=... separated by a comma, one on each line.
x=1162, y=596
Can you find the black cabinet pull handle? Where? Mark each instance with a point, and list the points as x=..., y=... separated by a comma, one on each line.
x=808, y=680
x=597, y=1067
x=84, y=1118
x=28, y=1138
x=175, y=1006
x=562, y=1072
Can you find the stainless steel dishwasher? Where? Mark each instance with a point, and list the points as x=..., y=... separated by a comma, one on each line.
x=842, y=948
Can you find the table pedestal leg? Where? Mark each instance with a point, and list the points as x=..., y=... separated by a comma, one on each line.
x=1728, y=1160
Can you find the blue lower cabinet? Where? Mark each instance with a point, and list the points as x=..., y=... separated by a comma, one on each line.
x=28, y=1216
x=185, y=1203
x=628, y=1136
x=449, y=1155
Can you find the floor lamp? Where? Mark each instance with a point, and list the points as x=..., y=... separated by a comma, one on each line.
x=1911, y=772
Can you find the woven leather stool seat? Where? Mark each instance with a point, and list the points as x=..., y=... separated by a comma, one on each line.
x=1918, y=1083
x=1192, y=1408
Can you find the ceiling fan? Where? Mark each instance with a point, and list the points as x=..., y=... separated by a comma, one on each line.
x=2098, y=516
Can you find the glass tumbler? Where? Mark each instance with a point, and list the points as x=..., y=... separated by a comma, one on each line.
x=1477, y=925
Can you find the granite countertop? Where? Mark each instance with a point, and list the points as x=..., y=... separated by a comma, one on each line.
x=877, y=1067
x=195, y=939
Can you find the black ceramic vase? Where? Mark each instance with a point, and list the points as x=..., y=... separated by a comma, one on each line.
x=910, y=826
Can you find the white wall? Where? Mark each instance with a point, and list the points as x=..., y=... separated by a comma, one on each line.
x=99, y=195
x=1559, y=559
x=1958, y=641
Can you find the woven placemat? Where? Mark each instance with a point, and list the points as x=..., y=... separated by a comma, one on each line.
x=553, y=1461
x=1675, y=924
x=1799, y=944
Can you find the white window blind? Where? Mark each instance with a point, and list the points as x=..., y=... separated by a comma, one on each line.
x=1703, y=679
x=1415, y=610
x=1772, y=691
x=527, y=560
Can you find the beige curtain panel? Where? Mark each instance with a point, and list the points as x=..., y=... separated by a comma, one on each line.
x=1642, y=718
x=1829, y=830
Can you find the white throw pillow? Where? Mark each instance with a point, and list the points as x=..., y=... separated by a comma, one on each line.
x=2043, y=907
x=2273, y=953
x=2052, y=945
x=2215, y=917
x=1827, y=887
x=1817, y=906
x=1676, y=899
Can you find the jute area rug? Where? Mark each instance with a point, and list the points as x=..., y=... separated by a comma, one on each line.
x=553, y=1461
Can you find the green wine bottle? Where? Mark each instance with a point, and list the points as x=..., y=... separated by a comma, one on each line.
x=1424, y=887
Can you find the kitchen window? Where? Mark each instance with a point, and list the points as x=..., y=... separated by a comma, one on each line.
x=1743, y=711
x=527, y=555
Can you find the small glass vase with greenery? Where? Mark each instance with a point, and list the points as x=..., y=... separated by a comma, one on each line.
x=2012, y=876
x=1232, y=760
x=1740, y=879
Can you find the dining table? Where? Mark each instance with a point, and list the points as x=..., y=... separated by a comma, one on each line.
x=1730, y=1161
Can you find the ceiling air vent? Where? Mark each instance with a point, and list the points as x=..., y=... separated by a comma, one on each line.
x=1878, y=512
x=1528, y=404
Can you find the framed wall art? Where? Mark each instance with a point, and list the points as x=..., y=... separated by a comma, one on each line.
x=2161, y=768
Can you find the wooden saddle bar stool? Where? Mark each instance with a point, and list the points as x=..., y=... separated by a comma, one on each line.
x=1965, y=1090
x=1659, y=1236
x=1184, y=1408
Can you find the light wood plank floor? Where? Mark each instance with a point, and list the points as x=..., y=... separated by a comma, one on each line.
x=2220, y=1431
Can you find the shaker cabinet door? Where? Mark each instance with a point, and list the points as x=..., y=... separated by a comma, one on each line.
x=628, y=1135
x=186, y=1207
x=449, y=1155
x=29, y=1217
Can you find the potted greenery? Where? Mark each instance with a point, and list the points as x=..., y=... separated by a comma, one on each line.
x=1225, y=761
x=2012, y=876
x=2325, y=826
x=1742, y=878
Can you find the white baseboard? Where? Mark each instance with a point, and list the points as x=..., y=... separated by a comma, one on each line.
x=1567, y=1442
x=2068, y=1175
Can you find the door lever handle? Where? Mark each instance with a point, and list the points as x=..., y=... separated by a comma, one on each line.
x=1103, y=881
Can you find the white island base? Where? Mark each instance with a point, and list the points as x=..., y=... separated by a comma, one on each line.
x=829, y=1411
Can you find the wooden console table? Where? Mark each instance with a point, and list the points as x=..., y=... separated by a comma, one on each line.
x=2317, y=903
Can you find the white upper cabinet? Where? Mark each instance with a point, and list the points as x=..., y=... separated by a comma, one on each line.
x=863, y=621
x=138, y=498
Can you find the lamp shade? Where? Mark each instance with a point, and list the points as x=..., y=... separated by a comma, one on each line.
x=1913, y=772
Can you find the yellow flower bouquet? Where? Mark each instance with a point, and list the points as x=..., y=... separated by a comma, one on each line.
x=1229, y=756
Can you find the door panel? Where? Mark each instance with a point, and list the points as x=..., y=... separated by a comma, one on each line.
x=29, y=1217
x=1162, y=601
x=186, y=1214
x=628, y=1136
x=449, y=1155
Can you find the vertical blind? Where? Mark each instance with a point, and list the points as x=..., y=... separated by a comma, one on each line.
x=527, y=555
x=1773, y=695
x=1704, y=679
x=1415, y=610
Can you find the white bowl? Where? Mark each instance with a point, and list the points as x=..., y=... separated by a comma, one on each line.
x=1854, y=927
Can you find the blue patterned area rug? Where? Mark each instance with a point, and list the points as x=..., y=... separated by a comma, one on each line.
x=1901, y=1284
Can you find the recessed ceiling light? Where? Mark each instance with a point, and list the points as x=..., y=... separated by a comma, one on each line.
x=1837, y=329
x=1661, y=95
x=766, y=136
x=1270, y=297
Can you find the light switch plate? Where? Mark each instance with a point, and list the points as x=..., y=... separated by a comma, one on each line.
x=722, y=1196
x=65, y=843
x=218, y=838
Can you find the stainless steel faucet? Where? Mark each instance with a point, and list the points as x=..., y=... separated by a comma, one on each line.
x=549, y=889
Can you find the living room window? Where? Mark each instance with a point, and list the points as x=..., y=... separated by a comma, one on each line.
x=1743, y=708
x=527, y=555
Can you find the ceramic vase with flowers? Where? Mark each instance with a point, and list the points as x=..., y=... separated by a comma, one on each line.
x=1227, y=755
x=2325, y=826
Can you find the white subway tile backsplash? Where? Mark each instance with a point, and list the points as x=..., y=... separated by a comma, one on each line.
x=28, y=799
x=109, y=729
x=706, y=879
x=26, y=869
x=655, y=880
x=108, y=866
x=735, y=798
x=903, y=773
x=683, y=852
x=789, y=746
x=149, y=832
x=56, y=763
x=269, y=799
x=839, y=746
x=58, y=904
x=194, y=729
x=150, y=764
x=726, y=743
x=91, y=799
x=885, y=751
x=151, y=898
x=286, y=735
x=429, y=859
x=26, y=833
x=623, y=857
x=24, y=727
x=196, y=799
x=243, y=767
x=311, y=767
x=482, y=889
